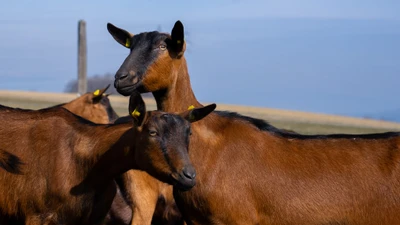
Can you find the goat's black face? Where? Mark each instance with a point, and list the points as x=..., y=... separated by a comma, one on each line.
x=165, y=154
x=162, y=142
x=149, y=65
x=145, y=51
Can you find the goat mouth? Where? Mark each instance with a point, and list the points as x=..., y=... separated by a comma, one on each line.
x=127, y=90
x=128, y=84
x=182, y=183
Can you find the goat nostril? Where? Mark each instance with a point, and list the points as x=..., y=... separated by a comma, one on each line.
x=189, y=174
x=123, y=76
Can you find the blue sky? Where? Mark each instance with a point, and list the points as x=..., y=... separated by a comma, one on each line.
x=334, y=56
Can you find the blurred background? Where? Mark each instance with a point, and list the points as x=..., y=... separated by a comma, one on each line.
x=335, y=57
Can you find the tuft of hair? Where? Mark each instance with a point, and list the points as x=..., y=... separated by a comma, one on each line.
x=262, y=125
x=10, y=162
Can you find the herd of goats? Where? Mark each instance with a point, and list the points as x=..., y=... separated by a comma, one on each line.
x=185, y=163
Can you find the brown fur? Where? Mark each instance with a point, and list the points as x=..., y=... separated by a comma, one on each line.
x=91, y=107
x=96, y=108
x=152, y=200
x=252, y=176
x=70, y=163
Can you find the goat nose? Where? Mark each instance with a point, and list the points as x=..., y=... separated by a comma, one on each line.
x=189, y=173
x=121, y=76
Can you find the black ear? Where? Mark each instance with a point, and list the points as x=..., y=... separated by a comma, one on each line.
x=177, y=37
x=98, y=94
x=137, y=108
x=197, y=114
x=121, y=36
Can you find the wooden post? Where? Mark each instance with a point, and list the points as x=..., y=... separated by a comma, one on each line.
x=82, y=58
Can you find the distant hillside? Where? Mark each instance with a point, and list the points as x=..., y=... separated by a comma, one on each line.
x=392, y=115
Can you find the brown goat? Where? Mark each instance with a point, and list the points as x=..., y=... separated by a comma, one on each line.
x=94, y=106
x=250, y=172
x=70, y=163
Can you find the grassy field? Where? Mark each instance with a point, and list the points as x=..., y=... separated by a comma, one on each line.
x=302, y=122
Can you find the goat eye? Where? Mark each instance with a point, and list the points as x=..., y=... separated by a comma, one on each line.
x=152, y=133
x=162, y=47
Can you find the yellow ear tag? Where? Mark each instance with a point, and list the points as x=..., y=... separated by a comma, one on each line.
x=135, y=113
x=191, y=107
x=128, y=43
x=97, y=92
x=178, y=41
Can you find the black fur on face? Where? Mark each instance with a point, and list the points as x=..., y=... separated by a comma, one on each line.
x=145, y=49
x=167, y=150
x=173, y=129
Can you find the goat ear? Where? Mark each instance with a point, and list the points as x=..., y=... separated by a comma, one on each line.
x=137, y=108
x=98, y=94
x=121, y=36
x=177, y=42
x=196, y=114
